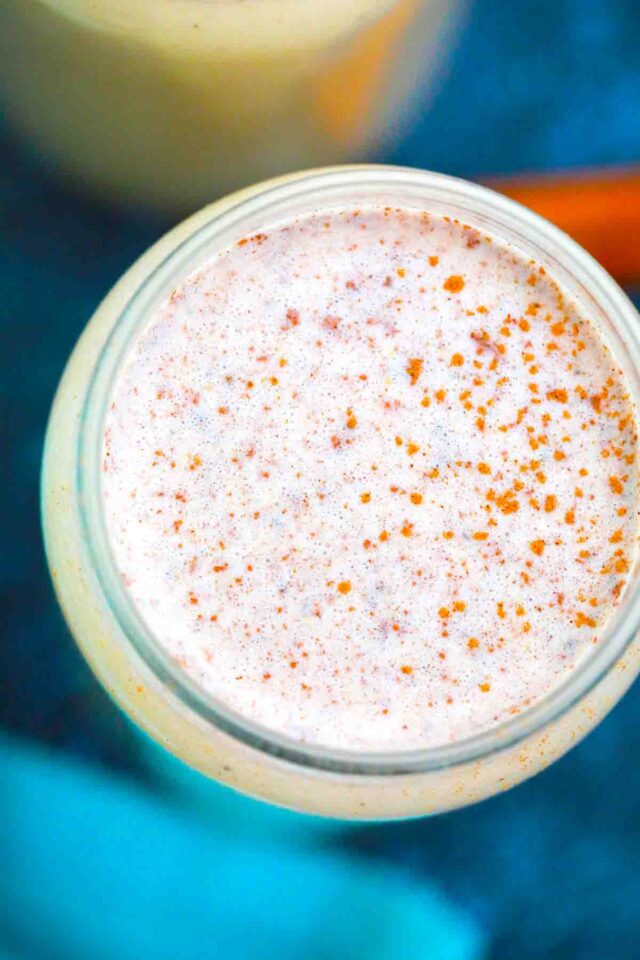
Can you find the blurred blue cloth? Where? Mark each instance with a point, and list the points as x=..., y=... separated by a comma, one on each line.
x=95, y=867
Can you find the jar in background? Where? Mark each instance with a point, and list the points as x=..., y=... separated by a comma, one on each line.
x=170, y=103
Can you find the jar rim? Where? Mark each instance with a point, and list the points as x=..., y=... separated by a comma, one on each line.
x=247, y=212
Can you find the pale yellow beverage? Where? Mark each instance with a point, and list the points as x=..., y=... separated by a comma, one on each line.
x=173, y=102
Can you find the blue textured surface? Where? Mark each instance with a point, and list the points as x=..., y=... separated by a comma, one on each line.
x=549, y=870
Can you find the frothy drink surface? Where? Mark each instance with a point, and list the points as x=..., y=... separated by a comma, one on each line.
x=369, y=478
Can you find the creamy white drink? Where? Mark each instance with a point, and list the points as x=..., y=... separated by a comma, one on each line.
x=341, y=492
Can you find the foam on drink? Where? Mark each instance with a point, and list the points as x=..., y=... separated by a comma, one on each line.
x=370, y=479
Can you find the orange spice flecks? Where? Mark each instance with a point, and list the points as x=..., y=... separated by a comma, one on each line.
x=454, y=283
x=507, y=502
x=559, y=395
x=582, y=620
x=414, y=369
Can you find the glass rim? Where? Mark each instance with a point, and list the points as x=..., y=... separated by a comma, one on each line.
x=227, y=221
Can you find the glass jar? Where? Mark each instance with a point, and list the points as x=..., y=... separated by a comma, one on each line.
x=169, y=103
x=144, y=681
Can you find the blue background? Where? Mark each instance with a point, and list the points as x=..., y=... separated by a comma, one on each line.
x=549, y=870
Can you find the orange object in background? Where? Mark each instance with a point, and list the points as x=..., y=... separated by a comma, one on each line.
x=348, y=91
x=598, y=208
x=388, y=68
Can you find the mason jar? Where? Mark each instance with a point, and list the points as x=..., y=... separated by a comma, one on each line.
x=141, y=677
